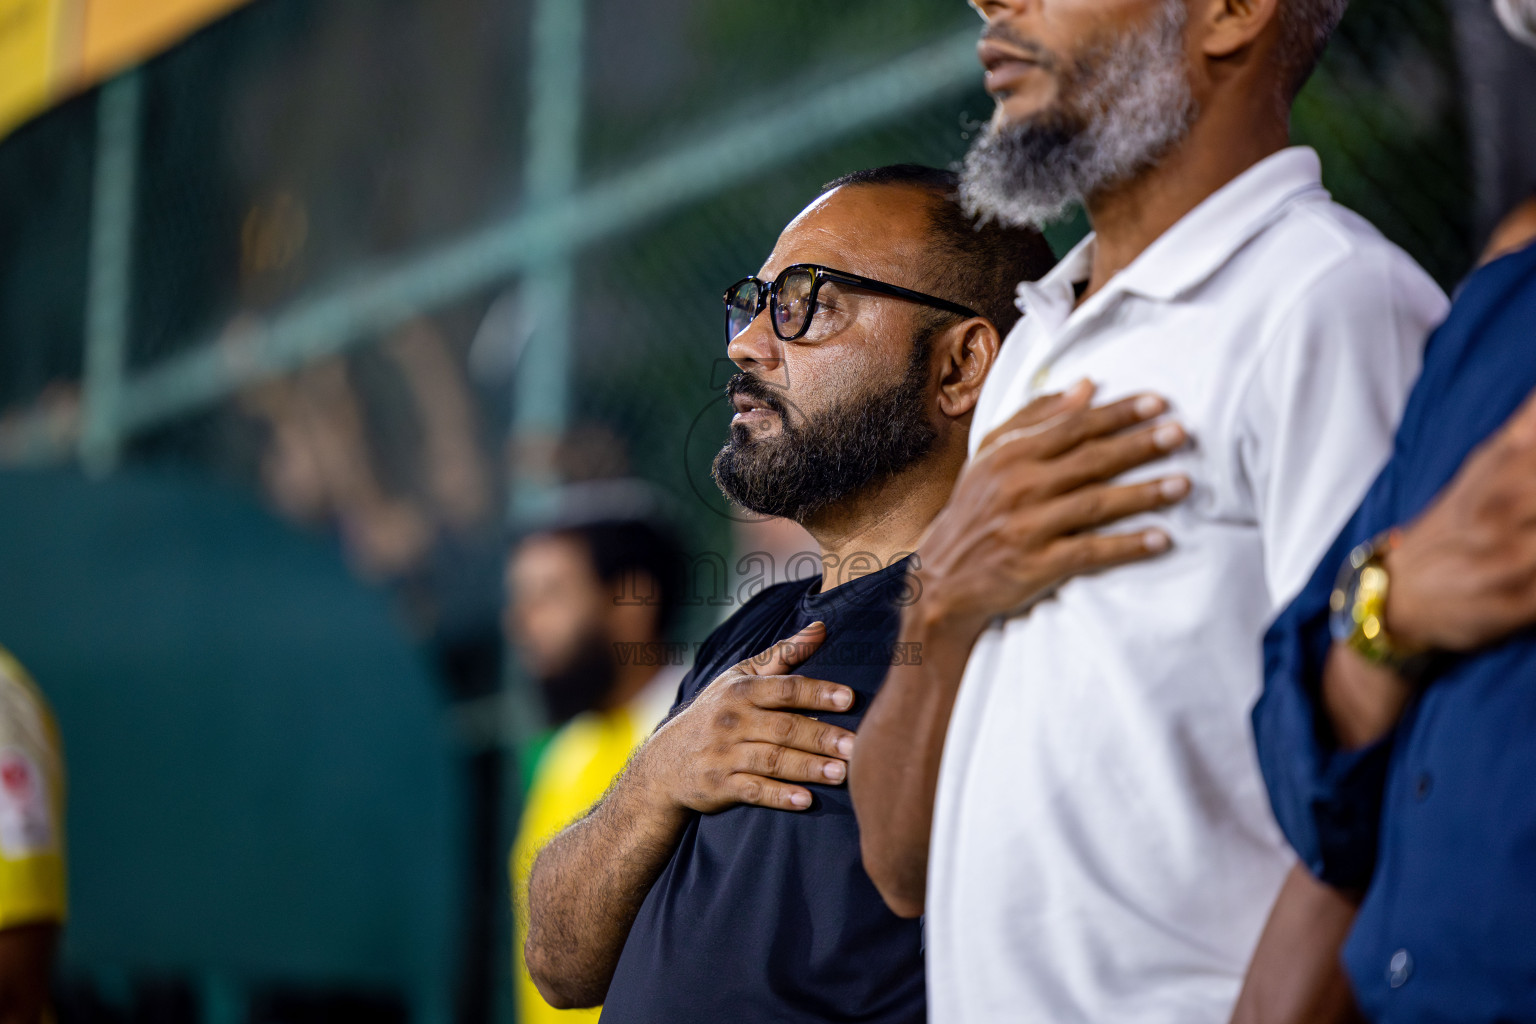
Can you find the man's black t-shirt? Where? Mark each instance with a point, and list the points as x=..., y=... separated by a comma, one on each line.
x=766, y=915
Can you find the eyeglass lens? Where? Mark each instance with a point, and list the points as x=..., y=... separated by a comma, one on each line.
x=792, y=307
x=742, y=308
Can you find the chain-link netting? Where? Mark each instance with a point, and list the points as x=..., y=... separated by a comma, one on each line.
x=294, y=145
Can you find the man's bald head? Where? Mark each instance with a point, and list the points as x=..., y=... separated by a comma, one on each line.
x=976, y=265
x=876, y=385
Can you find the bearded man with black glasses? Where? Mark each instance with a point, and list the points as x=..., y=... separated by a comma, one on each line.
x=720, y=877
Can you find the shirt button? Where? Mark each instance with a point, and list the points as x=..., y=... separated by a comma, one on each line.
x=1041, y=376
x=1399, y=969
x=1422, y=785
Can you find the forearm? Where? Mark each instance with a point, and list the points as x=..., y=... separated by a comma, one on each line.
x=1363, y=701
x=895, y=769
x=587, y=885
x=1296, y=976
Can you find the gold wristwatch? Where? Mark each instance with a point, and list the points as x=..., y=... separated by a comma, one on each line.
x=1358, y=608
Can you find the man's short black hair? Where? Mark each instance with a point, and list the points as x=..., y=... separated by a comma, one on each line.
x=979, y=266
x=623, y=550
x=624, y=527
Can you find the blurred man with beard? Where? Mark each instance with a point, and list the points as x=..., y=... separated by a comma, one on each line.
x=593, y=594
x=720, y=878
x=1067, y=783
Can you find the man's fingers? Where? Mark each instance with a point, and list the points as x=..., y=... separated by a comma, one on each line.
x=1072, y=427
x=1041, y=414
x=799, y=692
x=1104, y=421
x=1073, y=556
x=775, y=762
x=1092, y=507
x=1106, y=458
x=786, y=654
x=799, y=732
x=765, y=792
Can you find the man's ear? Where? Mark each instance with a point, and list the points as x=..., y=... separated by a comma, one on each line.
x=1230, y=26
x=965, y=355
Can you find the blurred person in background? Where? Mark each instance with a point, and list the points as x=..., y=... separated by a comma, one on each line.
x=321, y=461
x=720, y=878
x=592, y=598
x=385, y=449
x=32, y=893
x=1397, y=730
x=1079, y=755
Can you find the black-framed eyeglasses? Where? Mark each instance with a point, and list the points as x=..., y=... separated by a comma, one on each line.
x=792, y=297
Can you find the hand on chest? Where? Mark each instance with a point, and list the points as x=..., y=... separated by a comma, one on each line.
x=1201, y=378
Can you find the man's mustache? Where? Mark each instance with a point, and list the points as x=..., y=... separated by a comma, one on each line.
x=748, y=386
x=999, y=32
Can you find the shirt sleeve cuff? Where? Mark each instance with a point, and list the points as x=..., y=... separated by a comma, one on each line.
x=1327, y=800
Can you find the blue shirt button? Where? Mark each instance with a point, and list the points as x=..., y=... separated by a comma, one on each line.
x=1422, y=785
x=1399, y=969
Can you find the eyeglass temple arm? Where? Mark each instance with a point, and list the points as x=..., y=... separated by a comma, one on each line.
x=900, y=292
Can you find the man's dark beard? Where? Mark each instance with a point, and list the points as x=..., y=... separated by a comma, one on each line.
x=855, y=442
x=582, y=684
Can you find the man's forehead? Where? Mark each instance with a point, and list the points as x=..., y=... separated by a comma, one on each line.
x=545, y=550
x=858, y=228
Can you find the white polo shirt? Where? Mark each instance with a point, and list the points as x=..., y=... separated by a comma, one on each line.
x=1103, y=848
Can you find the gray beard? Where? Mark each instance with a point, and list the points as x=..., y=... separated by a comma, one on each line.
x=1122, y=107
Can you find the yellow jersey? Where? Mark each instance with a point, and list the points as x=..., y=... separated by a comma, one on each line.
x=577, y=766
x=31, y=803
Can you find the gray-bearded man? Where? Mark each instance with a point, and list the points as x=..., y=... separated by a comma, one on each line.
x=1101, y=845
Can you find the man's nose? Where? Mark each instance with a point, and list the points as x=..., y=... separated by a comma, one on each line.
x=757, y=349
x=991, y=10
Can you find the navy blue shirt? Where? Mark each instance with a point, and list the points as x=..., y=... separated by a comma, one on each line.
x=1438, y=819
x=765, y=915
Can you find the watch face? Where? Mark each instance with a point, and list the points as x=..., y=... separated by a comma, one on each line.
x=1346, y=594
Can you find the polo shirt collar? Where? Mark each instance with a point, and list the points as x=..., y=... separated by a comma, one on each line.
x=1187, y=254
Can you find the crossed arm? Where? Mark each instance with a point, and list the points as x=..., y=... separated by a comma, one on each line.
x=737, y=742
x=587, y=886
x=1461, y=578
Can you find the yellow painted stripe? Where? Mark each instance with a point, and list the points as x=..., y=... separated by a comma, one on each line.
x=50, y=49
x=27, y=40
x=119, y=33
